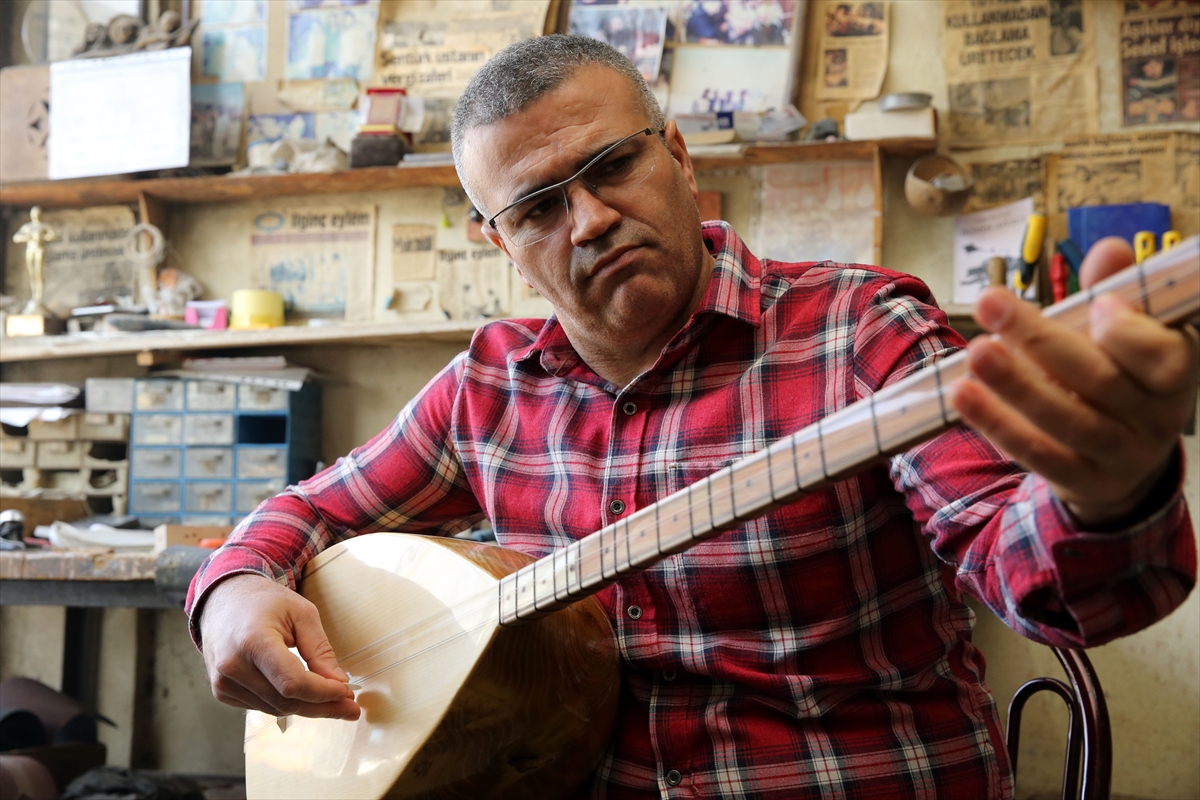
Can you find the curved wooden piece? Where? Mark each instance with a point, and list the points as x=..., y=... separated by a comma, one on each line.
x=454, y=705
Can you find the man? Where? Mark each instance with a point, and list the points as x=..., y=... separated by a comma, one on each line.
x=824, y=649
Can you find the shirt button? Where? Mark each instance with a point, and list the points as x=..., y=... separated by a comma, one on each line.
x=629, y=408
x=674, y=778
x=669, y=675
x=634, y=612
x=617, y=507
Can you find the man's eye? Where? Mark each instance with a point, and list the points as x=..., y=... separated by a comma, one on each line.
x=538, y=208
x=612, y=167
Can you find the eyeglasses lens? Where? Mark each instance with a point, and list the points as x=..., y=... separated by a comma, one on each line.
x=610, y=177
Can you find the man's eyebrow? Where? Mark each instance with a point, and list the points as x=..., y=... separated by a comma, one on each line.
x=580, y=163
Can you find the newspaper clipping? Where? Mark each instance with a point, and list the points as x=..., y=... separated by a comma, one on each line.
x=1160, y=62
x=1107, y=169
x=321, y=259
x=1020, y=71
x=854, y=49
x=87, y=264
x=1005, y=181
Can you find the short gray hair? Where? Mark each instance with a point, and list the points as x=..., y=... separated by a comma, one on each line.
x=526, y=71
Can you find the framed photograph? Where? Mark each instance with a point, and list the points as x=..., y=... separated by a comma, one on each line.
x=218, y=110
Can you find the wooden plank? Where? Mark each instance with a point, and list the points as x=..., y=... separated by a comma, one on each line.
x=219, y=188
x=43, y=348
x=85, y=564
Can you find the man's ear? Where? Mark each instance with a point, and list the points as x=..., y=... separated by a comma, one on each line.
x=495, y=238
x=678, y=149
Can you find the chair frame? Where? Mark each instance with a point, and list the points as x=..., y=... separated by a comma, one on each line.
x=1089, y=733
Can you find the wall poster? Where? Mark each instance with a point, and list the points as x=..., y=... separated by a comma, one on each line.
x=1160, y=62
x=854, y=49
x=1020, y=71
x=321, y=259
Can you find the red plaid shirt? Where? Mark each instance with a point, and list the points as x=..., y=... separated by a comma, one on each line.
x=823, y=650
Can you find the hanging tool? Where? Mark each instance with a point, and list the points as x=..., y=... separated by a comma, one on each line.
x=1059, y=277
x=1074, y=256
x=1031, y=250
x=1143, y=245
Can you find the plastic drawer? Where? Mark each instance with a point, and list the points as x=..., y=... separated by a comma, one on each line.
x=153, y=498
x=261, y=398
x=208, y=463
x=250, y=494
x=55, y=430
x=104, y=427
x=208, y=429
x=157, y=464
x=207, y=498
x=17, y=453
x=211, y=396
x=60, y=455
x=158, y=395
x=158, y=429
x=109, y=395
x=262, y=462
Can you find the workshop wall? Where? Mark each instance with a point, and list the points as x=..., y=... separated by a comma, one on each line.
x=1151, y=680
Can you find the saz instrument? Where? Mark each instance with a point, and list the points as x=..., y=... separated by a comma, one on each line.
x=472, y=688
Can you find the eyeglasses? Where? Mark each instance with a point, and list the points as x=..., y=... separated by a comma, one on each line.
x=610, y=175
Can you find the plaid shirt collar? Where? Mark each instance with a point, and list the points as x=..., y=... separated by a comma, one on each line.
x=734, y=290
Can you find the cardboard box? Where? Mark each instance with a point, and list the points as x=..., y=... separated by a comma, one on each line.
x=168, y=535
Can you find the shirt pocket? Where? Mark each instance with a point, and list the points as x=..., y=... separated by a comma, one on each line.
x=789, y=566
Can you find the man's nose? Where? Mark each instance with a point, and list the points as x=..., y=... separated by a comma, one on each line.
x=590, y=216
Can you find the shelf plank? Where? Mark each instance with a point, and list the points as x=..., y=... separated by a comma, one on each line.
x=223, y=189
x=44, y=348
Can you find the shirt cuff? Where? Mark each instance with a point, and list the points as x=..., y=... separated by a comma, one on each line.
x=227, y=561
x=1078, y=587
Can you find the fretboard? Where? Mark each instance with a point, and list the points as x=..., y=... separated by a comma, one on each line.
x=1165, y=286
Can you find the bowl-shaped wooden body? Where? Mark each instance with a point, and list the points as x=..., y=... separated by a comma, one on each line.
x=454, y=704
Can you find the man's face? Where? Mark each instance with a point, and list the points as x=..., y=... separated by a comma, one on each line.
x=1153, y=69
x=624, y=265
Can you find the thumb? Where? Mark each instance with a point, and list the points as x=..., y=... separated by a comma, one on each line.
x=317, y=652
x=1107, y=256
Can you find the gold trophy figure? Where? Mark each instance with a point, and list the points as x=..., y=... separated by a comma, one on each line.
x=35, y=319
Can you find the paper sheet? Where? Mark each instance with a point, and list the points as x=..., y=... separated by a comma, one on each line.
x=217, y=113
x=1020, y=70
x=984, y=235
x=708, y=79
x=816, y=211
x=473, y=282
x=1004, y=181
x=433, y=48
x=1105, y=169
x=332, y=43
x=638, y=32
x=854, y=49
x=123, y=114
x=87, y=264
x=1160, y=62
x=234, y=55
x=321, y=259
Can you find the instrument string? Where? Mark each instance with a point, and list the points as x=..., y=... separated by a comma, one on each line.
x=445, y=616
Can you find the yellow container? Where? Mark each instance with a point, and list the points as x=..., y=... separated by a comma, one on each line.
x=254, y=309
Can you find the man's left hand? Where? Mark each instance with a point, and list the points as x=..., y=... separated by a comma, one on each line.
x=1097, y=415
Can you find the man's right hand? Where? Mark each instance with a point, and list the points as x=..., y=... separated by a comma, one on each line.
x=247, y=624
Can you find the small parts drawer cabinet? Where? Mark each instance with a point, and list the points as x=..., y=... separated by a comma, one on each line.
x=208, y=452
x=82, y=453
